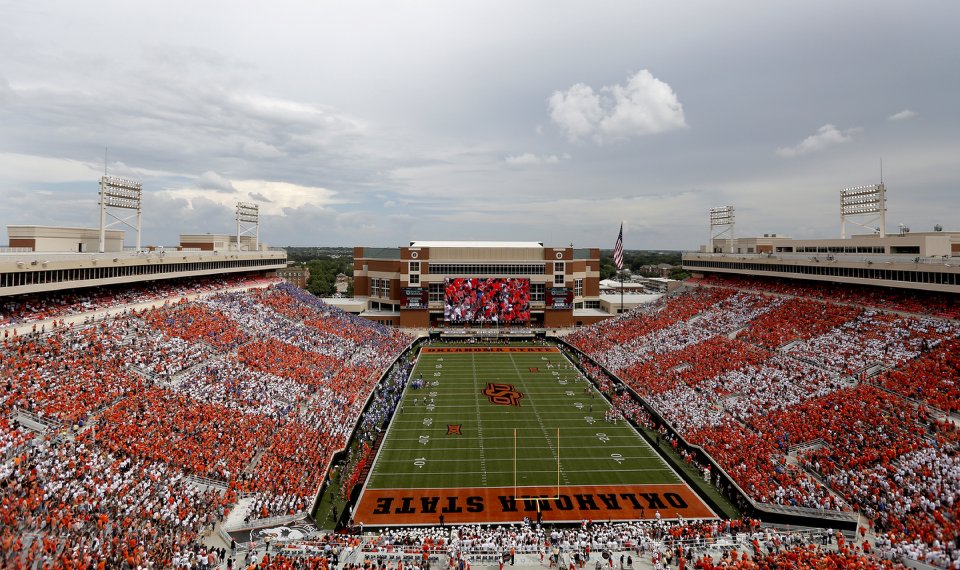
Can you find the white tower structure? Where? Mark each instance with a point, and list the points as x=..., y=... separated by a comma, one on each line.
x=121, y=200
x=866, y=205
x=722, y=220
x=248, y=223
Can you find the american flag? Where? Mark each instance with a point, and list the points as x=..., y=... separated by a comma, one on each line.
x=618, y=250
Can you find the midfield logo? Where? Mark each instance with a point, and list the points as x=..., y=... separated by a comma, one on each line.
x=502, y=394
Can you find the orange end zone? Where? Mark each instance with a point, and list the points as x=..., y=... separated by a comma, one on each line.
x=399, y=507
x=429, y=349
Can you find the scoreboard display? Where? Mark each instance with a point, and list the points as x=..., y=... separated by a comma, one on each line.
x=559, y=298
x=414, y=298
x=493, y=300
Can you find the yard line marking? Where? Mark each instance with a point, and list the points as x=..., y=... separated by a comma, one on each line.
x=543, y=428
x=476, y=404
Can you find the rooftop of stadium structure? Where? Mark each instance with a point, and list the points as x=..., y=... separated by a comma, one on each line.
x=476, y=244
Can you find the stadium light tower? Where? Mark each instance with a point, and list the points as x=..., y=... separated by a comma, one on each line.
x=722, y=220
x=864, y=202
x=118, y=197
x=248, y=223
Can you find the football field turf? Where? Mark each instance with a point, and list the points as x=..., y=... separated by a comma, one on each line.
x=492, y=427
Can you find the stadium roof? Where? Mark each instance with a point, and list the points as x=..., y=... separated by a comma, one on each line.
x=634, y=299
x=476, y=244
x=613, y=284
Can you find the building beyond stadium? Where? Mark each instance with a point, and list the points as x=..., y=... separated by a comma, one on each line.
x=41, y=259
x=462, y=283
x=928, y=261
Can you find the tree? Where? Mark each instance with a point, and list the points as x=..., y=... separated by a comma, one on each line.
x=634, y=260
x=679, y=273
x=323, y=274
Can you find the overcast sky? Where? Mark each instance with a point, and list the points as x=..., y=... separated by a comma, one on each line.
x=377, y=123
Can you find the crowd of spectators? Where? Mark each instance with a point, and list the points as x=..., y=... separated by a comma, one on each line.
x=918, y=498
x=738, y=543
x=728, y=313
x=169, y=414
x=256, y=390
x=196, y=323
x=797, y=319
x=692, y=364
x=707, y=545
x=944, y=305
x=879, y=455
x=24, y=309
x=12, y=438
x=874, y=338
x=756, y=464
x=932, y=378
x=776, y=383
x=632, y=325
x=67, y=504
x=69, y=372
x=382, y=407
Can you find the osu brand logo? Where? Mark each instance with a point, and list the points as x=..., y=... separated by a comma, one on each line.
x=502, y=394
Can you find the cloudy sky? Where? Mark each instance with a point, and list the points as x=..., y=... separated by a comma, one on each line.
x=380, y=122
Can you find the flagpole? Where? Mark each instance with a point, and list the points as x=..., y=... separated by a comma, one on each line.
x=618, y=260
x=621, y=291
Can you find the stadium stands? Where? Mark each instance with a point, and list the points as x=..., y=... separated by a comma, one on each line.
x=31, y=308
x=739, y=543
x=155, y=401
x=813, y=396
x=778, y=382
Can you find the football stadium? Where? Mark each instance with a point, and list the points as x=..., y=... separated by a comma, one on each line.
x=794, y=405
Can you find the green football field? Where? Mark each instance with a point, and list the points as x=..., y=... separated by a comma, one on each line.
x=520, y=423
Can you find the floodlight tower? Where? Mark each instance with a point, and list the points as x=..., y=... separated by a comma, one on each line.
x=722, y=220
x=248, y=222
x=864, y=202
x=118, y=194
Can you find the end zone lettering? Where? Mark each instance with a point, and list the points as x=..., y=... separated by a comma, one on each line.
x=468, y=349
x=411, y=506
x=429, y=505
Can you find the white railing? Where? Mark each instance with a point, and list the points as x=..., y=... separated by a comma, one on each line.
x=263, y=523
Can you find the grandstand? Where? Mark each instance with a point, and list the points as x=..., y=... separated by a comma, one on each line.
x=155, y=417
x=235, y=397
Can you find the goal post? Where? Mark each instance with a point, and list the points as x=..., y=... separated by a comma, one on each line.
x=516, y=487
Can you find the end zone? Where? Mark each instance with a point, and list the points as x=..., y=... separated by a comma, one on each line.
x=467, y=349
x=404, y=507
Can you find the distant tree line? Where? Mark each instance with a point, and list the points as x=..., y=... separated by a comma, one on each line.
x=325, y=263
x=305, y=254
x=635, y=259
x=323, y=275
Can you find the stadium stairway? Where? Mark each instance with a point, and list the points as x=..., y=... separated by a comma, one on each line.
x=234, y=518
x=34, y=422
x=251, y=467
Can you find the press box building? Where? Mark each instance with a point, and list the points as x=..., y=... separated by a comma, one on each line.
x=404, y=286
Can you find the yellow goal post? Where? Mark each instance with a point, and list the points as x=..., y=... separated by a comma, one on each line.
x=516, y=487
